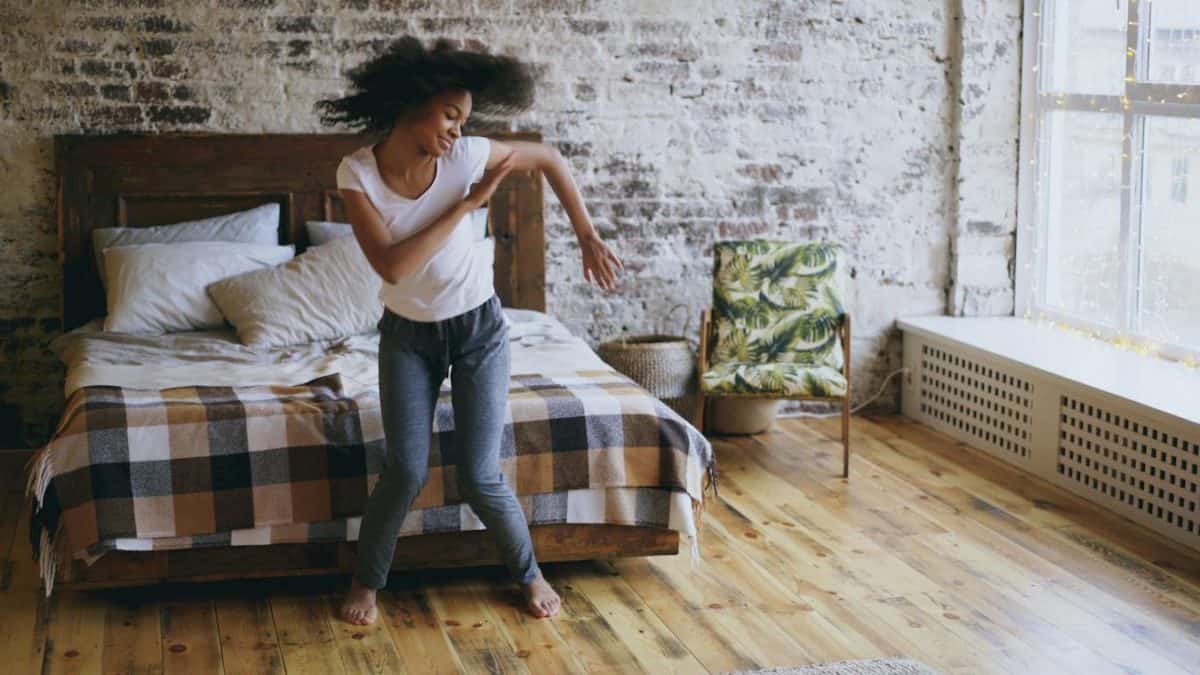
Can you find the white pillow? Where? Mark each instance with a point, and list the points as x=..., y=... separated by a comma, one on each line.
x=159, y=288
x=327, y=292
x=259, y=225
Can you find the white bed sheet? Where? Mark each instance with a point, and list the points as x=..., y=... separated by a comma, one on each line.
x=540, y=344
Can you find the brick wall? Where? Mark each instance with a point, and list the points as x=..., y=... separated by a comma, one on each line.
x=983, y=264
x=890, y=126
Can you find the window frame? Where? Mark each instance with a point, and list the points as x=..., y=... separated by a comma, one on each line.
x=1141, y=98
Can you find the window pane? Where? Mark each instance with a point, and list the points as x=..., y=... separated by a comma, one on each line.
x=1175, y=41
x=1170, y=267
x=1081, y=203
x=1085, y=47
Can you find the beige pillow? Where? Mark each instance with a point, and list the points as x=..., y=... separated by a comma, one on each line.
x=327, y=292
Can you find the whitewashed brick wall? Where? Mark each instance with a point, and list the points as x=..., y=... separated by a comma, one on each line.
x=684, y=122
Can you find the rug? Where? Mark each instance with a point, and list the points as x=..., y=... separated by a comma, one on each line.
x=862, y=667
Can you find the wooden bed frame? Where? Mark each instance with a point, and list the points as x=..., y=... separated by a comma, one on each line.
x=140, y=180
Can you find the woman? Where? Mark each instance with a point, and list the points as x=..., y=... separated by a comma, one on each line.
x=407, y=197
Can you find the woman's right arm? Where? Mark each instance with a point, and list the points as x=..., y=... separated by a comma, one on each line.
x=394, y=261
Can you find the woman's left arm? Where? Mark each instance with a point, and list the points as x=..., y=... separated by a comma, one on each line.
x=598, y=260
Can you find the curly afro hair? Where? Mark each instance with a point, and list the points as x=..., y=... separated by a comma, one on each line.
x=404, y=77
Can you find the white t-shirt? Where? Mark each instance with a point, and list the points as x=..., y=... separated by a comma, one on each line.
x=458, y=276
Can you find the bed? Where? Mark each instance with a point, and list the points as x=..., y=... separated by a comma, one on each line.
x=190, y=456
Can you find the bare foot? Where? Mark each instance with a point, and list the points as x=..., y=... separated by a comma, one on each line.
x=359, y=606
x=542, y=599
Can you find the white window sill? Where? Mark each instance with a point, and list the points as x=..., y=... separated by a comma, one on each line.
x=1169, y=387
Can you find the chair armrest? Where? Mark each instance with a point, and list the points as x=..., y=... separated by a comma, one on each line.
x=702, y=355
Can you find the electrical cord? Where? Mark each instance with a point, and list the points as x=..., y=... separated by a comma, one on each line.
x=853, y=410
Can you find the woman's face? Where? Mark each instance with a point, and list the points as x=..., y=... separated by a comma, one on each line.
x=439, y=125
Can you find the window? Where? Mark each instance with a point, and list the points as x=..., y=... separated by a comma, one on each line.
x=1109, y=231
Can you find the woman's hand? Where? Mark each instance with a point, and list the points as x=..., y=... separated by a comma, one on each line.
x=599, y=261
x=482, y=191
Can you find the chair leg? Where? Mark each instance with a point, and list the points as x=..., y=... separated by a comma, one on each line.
x=701, y=367
x=846, y=437
x=846, y=398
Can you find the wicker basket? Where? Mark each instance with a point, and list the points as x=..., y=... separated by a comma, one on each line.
x=741, y=415
x=665, y=365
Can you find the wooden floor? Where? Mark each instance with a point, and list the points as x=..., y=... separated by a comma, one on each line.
x=931, y=551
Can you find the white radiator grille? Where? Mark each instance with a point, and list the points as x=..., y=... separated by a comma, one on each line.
x=988, y=405
x=1131, y=459
x=1144, y=468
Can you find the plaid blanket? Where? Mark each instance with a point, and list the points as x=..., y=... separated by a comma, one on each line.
x=198, y=461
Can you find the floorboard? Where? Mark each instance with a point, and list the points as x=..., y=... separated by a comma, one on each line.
x=931, y=550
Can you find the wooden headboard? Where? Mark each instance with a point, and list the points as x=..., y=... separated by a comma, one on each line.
x=140, y=180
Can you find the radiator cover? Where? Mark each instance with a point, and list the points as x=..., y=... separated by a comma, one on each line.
x=1124, y=456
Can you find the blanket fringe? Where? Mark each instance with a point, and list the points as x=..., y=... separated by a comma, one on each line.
x=697, y=511
x=711, y=483
x=697, y=520
x=47, y=560
x=39, y=469
x=698, y=506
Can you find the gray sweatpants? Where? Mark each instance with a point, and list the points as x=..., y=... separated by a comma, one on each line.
x=414, y=357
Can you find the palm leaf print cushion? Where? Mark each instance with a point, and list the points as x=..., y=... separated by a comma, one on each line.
x=776, y=308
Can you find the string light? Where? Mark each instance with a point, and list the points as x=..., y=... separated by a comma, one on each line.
x=1122, y=342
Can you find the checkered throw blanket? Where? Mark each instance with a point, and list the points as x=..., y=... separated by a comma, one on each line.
x=191, y=462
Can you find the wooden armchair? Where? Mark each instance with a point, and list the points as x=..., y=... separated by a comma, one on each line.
x=777, y=327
